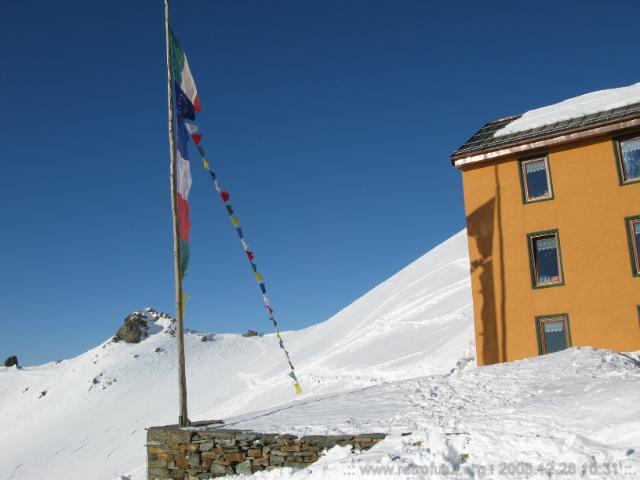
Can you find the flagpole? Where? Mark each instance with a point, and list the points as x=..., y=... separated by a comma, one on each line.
x=183, y=418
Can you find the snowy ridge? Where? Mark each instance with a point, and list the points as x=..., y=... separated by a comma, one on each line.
x=576, y=107
x=399, y=360
x=418, y=322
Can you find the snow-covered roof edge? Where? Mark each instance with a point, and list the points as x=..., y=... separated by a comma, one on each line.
x=576, y=107
x=613, y=111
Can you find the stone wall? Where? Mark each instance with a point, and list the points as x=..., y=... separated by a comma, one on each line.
x=173, y=453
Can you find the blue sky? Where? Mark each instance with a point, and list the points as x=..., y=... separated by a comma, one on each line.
x=331, y=123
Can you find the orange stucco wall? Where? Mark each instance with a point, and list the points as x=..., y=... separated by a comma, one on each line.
x=600, y=293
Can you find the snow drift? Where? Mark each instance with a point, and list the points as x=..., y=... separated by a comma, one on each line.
x=571, y=414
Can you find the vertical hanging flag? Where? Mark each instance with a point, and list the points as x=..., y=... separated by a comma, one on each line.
x=186, y=104
x=183, y=184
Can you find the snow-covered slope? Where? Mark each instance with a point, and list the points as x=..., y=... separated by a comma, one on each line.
x=548, y=417
x=90, y=422
x=398, y=360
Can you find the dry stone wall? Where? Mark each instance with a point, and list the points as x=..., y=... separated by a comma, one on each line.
x=173, y=453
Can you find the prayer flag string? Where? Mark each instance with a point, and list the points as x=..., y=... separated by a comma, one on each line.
x=225, y=197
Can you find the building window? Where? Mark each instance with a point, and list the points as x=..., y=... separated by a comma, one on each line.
x=553, y=333
x=536, y=179
x=633, y=231
x=628, y=156
x=546, y=260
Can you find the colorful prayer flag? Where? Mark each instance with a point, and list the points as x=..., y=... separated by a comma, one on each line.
x=191, y=127
x=183, y=186
x=186, y=94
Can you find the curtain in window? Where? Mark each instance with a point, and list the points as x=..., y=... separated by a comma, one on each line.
x=537, y=166
x=549, y=243
x=555, y=338
x=546, y=258
x=554, y=327
x=631, y=158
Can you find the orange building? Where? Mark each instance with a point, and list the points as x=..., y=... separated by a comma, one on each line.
x=552, y=202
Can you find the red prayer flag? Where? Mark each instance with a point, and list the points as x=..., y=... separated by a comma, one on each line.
x=225, y=196
x=196, y=138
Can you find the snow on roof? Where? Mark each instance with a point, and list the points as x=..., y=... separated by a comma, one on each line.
x=576, y=107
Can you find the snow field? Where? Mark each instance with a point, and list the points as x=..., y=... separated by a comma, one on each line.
x=399, y=360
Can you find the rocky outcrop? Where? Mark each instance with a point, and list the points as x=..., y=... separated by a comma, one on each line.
x=134, y=329
x=139, y=325
x=11, y=361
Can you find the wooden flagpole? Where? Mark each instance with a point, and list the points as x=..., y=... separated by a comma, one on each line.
x=183, y=419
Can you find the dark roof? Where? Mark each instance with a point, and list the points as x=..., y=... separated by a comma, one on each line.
x=484, y=141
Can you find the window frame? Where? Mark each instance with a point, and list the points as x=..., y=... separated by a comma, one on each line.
x=523, y=178
x=532, y=262
x=634, y=249
x=617, y=150
x=539, y=323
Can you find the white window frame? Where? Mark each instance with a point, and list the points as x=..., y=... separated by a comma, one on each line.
x=523, y=175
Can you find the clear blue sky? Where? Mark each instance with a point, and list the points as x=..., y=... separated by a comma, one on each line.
x=331, y=123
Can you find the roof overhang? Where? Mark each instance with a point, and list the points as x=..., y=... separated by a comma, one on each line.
x=544, y=142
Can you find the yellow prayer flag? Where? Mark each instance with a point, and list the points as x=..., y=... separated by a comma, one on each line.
x=206, y=164
x=298, y=388
x=259, y=278
x=278, y=334
x=235, y=221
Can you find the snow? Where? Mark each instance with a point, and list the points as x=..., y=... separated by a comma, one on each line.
x=578, y=406
x=576, y=107
x=399, y=360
